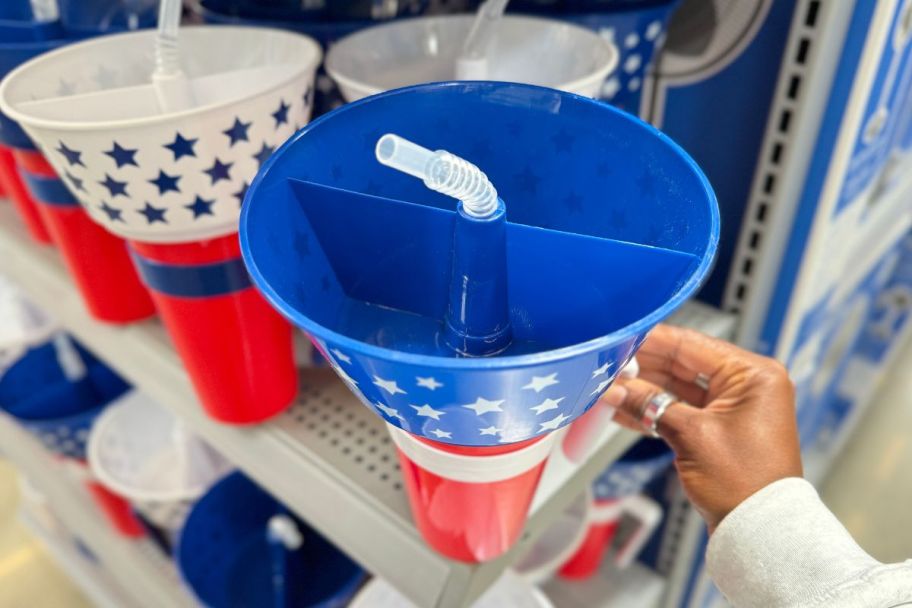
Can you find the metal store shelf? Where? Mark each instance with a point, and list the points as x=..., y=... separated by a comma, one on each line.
x=144, y=573
x=327, y=458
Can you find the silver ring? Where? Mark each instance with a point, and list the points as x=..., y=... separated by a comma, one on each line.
x=655, y=409
x=702, y=380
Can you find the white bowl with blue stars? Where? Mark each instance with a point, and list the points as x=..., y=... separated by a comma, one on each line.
x=165, y=176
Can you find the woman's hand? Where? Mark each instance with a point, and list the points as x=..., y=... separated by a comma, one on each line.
x=733, y=429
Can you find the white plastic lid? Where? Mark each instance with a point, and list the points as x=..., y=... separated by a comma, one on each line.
x=510, y=591
x=139, y=450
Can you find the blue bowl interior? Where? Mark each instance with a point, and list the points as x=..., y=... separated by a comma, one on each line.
x=85, y=17
x=35, y=389
x=224, y=556
x=610, y=221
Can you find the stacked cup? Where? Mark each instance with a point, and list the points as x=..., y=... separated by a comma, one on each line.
x=396, y=287
x=56, y=390
x=22, y=36
x=616, y=492
x=167, y=166
x=97, y=261
x=141, y=452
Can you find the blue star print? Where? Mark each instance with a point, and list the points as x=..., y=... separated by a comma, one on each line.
x=182, y=146
x=153, y=214
x=281, y=115
x=77, y=183
x=308, y=96
x=122, y=156
x=240, y=194
x=114, y=187
x=165, y=182
x=528, y=181
x=264, y=153
x=219, y=171
x=114, y=214
x=73, y=157
x=200, y=207
x=238, y=131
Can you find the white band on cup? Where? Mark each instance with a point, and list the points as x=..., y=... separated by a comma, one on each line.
x=472, y=469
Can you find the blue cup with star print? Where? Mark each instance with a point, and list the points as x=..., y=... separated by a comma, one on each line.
x=59, y=412
x=610, y=227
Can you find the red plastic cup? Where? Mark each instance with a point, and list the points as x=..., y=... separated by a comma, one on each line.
x=97, y=260
x=603, y=524
x=236, y=348
x=15, y=190
x=117, y=510
x=114, y=508
x=470, y=503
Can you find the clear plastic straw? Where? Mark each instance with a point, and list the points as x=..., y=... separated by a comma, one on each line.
x=45, y=10
x=171, y=85
x=473, y=62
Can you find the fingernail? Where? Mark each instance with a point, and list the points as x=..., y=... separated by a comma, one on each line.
x=615, y=395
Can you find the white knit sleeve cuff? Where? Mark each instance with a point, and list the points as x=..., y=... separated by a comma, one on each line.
x=782, y=547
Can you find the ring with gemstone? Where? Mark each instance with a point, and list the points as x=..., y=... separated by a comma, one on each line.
x=655, y=409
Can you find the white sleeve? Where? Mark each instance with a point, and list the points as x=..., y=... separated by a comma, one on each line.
x=783, y=547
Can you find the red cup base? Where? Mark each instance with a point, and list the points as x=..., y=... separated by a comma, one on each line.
x=588, y=558
x=470, y=522
x=14, y=188
x=99, y=264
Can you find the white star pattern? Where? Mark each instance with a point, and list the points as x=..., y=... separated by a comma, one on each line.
x=547, y=404
x=390, y=412
x=389, y=386
x=483, y=406
x=341, y=356
x=515, y=434
x=552, y=424
x=603, y=369
x=427, y=411
x=539, y=383
x=632, y=63
x=345, y=377
x=607, y=33
x=441, y=434
x=601, y=387
x=631, y=40
x=428, y=383
x=491, y=430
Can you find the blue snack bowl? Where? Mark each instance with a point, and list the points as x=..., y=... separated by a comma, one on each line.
x=224, y=557
x=611, y=226
x=35, y=392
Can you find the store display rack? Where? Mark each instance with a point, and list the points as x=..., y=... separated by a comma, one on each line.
x=147, y=577
x=328, y=458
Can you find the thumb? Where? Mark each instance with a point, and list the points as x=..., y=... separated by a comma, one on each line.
x=630, y=398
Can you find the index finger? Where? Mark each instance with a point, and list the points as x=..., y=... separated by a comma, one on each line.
x=684, y=353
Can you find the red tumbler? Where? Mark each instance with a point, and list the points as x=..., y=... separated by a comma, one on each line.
x=603, y=523
x=15, y=190
x=470, y=503
x=236, y=348
x=97, y=260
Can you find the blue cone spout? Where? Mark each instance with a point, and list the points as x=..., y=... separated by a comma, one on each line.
x=478, y=316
